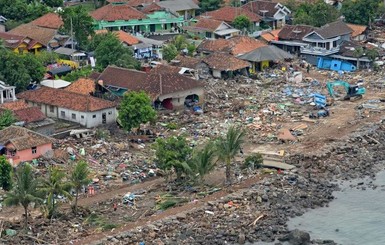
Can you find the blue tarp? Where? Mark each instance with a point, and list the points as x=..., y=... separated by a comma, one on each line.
x=335, y=65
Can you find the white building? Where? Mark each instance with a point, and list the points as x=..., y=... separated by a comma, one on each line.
x=7, y=93
x=86, y=110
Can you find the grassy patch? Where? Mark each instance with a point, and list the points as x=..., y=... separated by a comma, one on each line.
x=99, y=222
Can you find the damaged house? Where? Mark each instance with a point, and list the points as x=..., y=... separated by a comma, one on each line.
x=224, y=65
x=167, y=89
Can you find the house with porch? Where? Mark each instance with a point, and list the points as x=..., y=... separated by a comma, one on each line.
x=20, y=44
x=83, y=109
x=229, y=13
x=20, y=144
x=7, y=93
x=325, y=41
x=211, y=29
x=290, y=38
x=168, y=90
x=273, y=14
x=119, y=15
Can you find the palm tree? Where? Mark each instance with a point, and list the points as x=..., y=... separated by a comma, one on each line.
x=358, y=52
x=56, y=185
x=227, y=148
x=79, y=178
x=203, y=161
x=25, y=191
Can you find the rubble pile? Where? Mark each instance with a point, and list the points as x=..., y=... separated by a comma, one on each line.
x=261, y=212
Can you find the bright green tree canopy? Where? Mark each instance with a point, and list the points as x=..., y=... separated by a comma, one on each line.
x=135, y=109
x=169, y=52
x=241, y=22
x=315, y=14
x=361, y=11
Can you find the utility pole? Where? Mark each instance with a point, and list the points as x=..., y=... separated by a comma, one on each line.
x=72, y=36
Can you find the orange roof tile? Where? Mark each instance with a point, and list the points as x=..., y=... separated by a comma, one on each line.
x=30, y=114
x=84, y=86
x=23, y=138
x=14, y=105
x=229, y=13
x=225, y=62
x=113, y=12
x=66, y=99
x=268, y=36
x=207, y=24
x=126, y=38
x=49, y=20
x=357, y=29
x=235, y=46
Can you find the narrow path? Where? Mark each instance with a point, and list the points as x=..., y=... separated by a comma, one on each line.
x=169, y=212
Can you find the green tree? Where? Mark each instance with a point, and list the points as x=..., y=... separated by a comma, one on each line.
x=135, y=109
x=110, y=51
x=25, y=190
x=242, y=22
x=228, y=147
x=6, y=118
x=372, y=54
x=361, y=12
x=34, y=67
x=203, y=161
x=210, y=5
x=315, y=14
x=358, y=53
x=169, y=52
x=180, y=42
x=47, y=58
x=191, y=49
x=13, y=70
x=76, y=74
x=81, y=21
x=53, y=3
x=80, y=178
x=172, y=154
x=5, y=174
x=56, y=185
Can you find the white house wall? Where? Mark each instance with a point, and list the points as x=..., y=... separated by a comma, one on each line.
x=178, y=98
x=86, y=119
x=94, y=119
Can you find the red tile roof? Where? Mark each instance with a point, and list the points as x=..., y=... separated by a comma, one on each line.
x=229, y=13
x=136, y=3
x=357, y=29
x=259, y=6
x=23, y=138
x=30, y=114
x=186, y=61
x=13, y=41
x=155, y=84
x=225, y=62
x=49, y=20
x=84, y=86
x=66, y=99
x=235, y=46
x=294, y=32
x=121, y=78
x=207, y=24
x=126, y=38
x=113, y=12
x=151, y=8
x=14, y=105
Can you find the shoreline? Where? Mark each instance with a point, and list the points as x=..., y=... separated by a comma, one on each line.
x=261, y=212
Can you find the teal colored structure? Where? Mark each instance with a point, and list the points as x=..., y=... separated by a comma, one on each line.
x=159, y=21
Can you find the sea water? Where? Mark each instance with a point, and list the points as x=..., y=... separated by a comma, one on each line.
x=354, y=217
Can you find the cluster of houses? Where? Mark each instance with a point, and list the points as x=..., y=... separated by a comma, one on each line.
x=145, y=26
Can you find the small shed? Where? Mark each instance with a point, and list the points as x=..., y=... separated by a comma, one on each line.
x=261, y=58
